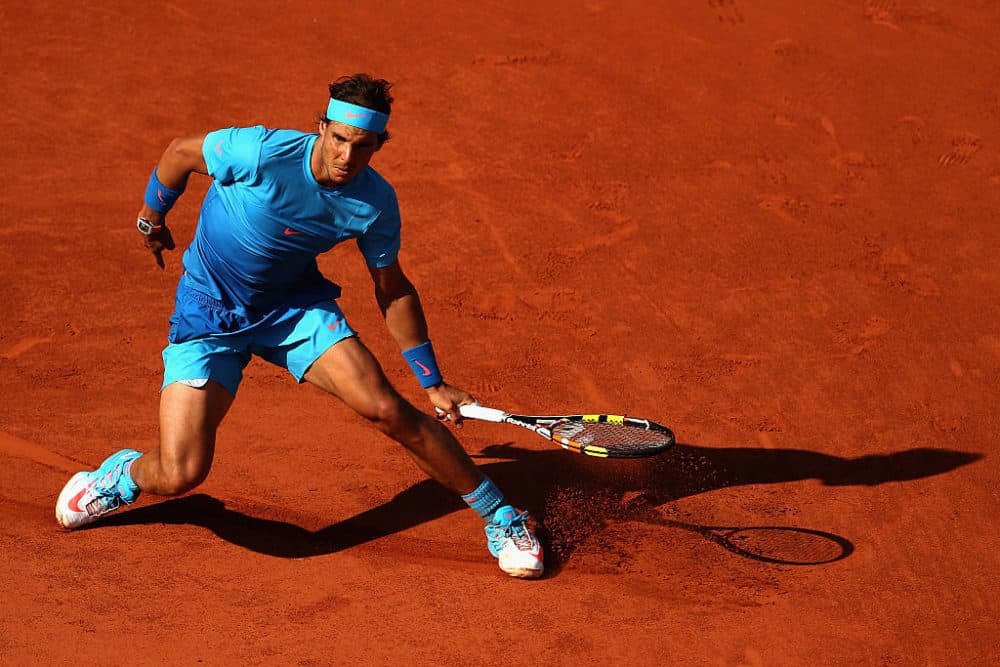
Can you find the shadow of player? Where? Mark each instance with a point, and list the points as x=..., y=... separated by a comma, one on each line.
x=539, y=480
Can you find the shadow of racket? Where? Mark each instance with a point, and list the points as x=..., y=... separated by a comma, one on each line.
x=780, y=545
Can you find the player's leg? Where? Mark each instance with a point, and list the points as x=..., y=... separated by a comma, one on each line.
x=349, y=371
x=322, y=349
x=318, y=346
x=189, y=419
x=200, y=380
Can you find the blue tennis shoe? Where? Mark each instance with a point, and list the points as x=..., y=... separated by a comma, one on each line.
x=512, y=541
x=90, y=495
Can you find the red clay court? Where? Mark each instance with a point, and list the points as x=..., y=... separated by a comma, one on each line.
x=772, y=226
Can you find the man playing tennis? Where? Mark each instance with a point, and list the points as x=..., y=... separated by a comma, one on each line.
x=251, y=286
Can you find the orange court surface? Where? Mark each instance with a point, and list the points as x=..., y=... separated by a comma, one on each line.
x=772, y=226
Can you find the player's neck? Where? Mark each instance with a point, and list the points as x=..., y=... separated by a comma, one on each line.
x=316, y=165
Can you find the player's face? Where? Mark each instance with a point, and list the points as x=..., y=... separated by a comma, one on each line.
x=344, y=151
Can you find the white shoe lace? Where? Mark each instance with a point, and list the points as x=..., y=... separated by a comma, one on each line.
x=519, y=534
x=104, y=501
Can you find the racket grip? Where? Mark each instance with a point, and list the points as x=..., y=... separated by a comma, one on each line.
x=476, y=411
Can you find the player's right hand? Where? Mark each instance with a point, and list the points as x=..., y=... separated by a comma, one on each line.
x=158, y=241
x=447, y=399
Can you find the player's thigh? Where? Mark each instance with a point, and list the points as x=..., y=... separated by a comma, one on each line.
x=200, y=378
x=189, y=419
x=351, y=372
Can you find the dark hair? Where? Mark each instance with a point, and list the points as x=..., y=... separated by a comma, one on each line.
x=365, y=91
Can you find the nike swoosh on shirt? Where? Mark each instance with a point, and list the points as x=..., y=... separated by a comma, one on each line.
x=291, y=232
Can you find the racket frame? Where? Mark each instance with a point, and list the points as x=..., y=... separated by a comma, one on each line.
x=545, y=426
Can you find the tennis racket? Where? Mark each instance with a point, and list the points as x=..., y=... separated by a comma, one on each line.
x=604, y=436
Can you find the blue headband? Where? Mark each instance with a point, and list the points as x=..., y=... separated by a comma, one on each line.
x=355, y=116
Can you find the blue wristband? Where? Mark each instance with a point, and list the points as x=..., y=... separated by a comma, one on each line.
x=158, y=196
x=423, y=364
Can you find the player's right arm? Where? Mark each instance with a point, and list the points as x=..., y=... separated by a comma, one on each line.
x=182, y=157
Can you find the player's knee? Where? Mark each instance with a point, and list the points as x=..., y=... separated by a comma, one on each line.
x=183, y=474
x=392, y=415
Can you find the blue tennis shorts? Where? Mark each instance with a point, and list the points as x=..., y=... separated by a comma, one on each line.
x=207, y=341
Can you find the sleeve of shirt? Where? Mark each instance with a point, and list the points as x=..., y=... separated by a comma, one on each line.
x=381, y=242
x=233, y=154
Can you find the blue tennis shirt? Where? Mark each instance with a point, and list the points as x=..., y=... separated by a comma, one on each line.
x=266, y=218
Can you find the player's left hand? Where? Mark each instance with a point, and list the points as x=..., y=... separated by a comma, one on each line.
x=446, y=399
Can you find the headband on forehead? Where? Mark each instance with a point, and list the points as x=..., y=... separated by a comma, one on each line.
x=356, y=116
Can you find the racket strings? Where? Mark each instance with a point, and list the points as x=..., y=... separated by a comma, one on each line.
x=621, y=437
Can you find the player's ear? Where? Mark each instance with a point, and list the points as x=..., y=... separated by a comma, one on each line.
x=322, y=126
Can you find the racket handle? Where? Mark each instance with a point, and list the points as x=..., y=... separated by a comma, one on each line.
x=481, y=412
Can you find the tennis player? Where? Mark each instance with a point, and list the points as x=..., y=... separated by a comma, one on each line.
x=251, y=286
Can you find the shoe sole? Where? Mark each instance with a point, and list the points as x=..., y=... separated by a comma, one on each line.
x=522, y=568
x=523, y=573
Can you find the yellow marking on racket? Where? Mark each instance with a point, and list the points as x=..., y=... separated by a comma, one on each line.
x=592, y=418
x=596, y=451
x=616, y=419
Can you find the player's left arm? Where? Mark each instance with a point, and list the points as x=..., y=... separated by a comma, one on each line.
x=404, y=317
